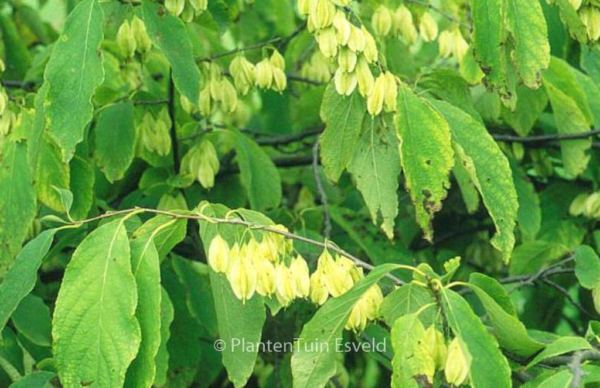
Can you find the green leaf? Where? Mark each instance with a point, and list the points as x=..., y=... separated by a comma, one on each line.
x=467, y=188
x=236, y=321
x=561, y=379
x=167, y=236
x=146, y=270
x=508, y=330
x=376, y=168
x=489, y=170
x=22, y=276
x=532, y=49
x=32, y=320
x=73, y=73
x=343, y=117
x=162, y=355
x=95, y=331
x=587, y=266
x=488, y=367
x=448, y=85
x=561, y=346
x=115, y=140
x=406, y=300
x=571, y=18
x=489, y=37
x=530, y=257
x=169, y=34
x=17, y=57
x=17, y=202
x=51, y=173
x=314, y=361
x=571, y=113
x=82, y=186
x=426, y=155
x=259, y=175
x=38, y=379
x=529, y=216
x=412, y=364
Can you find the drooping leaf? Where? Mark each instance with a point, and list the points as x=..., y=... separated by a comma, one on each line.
x=313, y=366
x=412, y=364
x=467, y=188
x=426, y=155
x=51, y=173
x=488, y=366
x=32, y=320
x=167, y=236
x=145, y=267
x=73, y=73
x=37, y=379
x=489, y=170
x=82, y=186
x=259, y=175
x=571, y=113
x=587, y=266
x=169, y=34
x=376, y=168
x=115, y=140
x=21, y=277
x=95, y=331
x=17, y=202
x=406, y=300
x=532, y=50
x=561, y=346
x=530, y=257
x=343, y=117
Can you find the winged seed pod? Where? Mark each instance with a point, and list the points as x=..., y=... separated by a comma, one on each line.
x=2, y=66
x=304, y=7
x=286, y=285
x=357, y=320
x=342, y=27
x=345, y=83
x=435, y=344
x=370, y=51
x=357, y=41
x=243, y=73
x=266, y=276
x=199, y=6
x=175, y=7
x=277, y=60
x=218, y=254
x=404, y=25
x=390, y=101
x=371, y=302
x=321, y=13
x=578, y=205
x=279, y=80
x=318, y=290
x=3, y=102
x=575, y=4
x=338, y=280
x=126, y=40
x=596, y=297
x=328, y=43
x=382, y=21
x=591, y=208
x=264, y=74
x=347, y=60
x=242, y=276
x=446, y=44
x=143, y=43
x=204, y=102
x=227, y=95
x=456, y=369
x=376, y=99
x=428, y=28
x=300, y=273
x=365, y=78
x=186, y=105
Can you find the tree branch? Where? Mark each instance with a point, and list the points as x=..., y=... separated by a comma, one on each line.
x=545, y=138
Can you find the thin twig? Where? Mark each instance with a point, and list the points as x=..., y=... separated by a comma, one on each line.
x=173, y=130
x=441, y=12
x=565, y=292
x=321, y=191
x=546, y=138
x=239, y=50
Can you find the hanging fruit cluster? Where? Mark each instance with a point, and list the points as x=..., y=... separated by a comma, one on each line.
x=187, y=10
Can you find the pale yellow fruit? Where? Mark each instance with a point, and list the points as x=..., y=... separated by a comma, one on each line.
x=382, y=20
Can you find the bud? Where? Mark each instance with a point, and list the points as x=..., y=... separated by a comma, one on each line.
x=264, y=74
x=435, y=344
x=391, y=93
x=404, y=25
x=342, y=27
x=428, y=28
x=376, y=99
x=204, y=102
x=591, y=207
x=266, y=276
x=345, y=83
x=199, y=6
x=365, y=78
x=370, y=51
x=321, y=13
x=304, y=7
x=286, y=285
x=277, y=60
x=218, y=254
x=578, y=205
x=347, y=60
x=175, y=7
x=300, y=273
x=575, y=4
x=357, y=41
x=228, y=95
x=142, y=40
x=243, y=73
x=125, y=40
x=279, y=80
x=382, y=21
x=328, y=43
x=318, y=290
x=242, y=277
x=457, y=366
